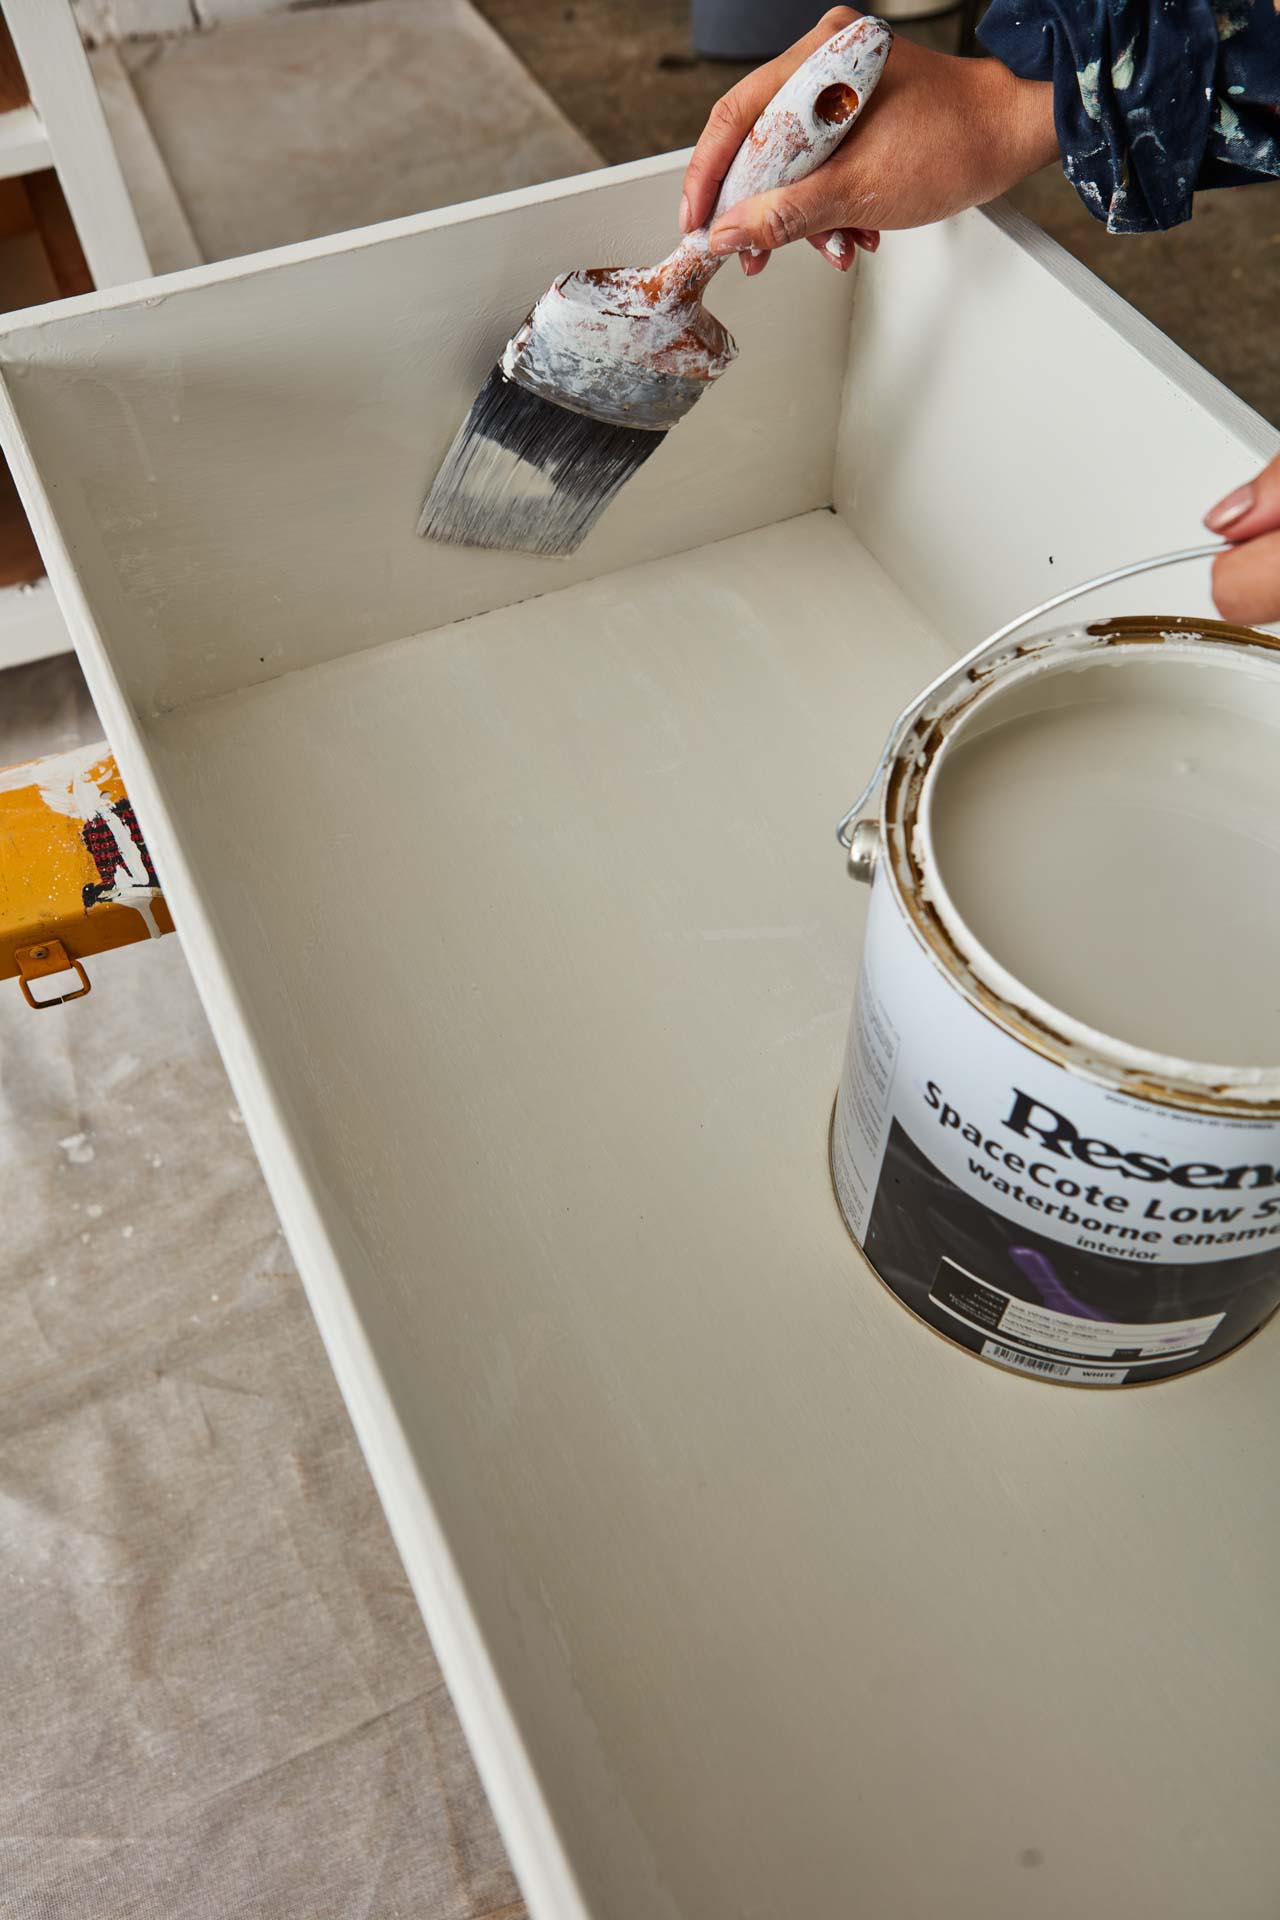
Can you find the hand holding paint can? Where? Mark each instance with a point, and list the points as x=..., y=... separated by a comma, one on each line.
x=1057, y=1133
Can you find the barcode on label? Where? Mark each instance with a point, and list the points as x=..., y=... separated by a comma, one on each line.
x=1052, y=1369
x=1008, y=1358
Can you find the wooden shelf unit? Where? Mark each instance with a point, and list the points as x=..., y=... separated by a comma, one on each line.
x=66, y=226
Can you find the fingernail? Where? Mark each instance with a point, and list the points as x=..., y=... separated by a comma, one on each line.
x=729, y=240
x=1228, y=511
x=684, y=213
x=836, y=248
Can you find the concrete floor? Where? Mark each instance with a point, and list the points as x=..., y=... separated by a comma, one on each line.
x=626, y=76
x=295, y=125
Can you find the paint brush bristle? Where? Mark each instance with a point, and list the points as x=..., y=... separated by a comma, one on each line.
x=612, y=357
x=526, y=473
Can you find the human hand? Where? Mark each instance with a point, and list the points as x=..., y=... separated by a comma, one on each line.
x=1246, y=581
x=938, y=135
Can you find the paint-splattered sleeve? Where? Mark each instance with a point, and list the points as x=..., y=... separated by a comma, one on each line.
x=1151, y=101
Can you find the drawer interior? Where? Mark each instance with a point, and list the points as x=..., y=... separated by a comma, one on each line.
x=546, y=945
x=243, y=460
x=511, y=889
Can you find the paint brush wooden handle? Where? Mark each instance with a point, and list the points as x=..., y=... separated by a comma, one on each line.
x=801, y=127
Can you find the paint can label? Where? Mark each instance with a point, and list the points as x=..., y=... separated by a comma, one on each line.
x=1048, y=1223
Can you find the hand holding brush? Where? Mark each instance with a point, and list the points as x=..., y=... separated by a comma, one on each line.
x=611, y=358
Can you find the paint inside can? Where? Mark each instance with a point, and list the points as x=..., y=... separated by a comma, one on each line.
x=1112, y=833
x=1057, y=1136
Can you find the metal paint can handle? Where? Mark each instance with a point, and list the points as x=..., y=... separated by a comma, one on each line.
x=847, y=831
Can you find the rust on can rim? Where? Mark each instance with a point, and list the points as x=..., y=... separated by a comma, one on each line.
x=902, y=792
x=1048, y=1197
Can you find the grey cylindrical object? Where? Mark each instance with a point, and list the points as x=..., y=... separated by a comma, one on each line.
x=757, y=29
x=915, y=9
x=751, y=29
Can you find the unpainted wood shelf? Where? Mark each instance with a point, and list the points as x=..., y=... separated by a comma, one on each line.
x=55, y=154
x=40, y=259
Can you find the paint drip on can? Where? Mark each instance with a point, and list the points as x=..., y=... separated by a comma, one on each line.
x=1057, y=1132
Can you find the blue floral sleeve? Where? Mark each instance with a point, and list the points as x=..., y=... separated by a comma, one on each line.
x=1151, y=101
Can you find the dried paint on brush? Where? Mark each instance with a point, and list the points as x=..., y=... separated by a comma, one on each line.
x=514, y=478
x=611, y=358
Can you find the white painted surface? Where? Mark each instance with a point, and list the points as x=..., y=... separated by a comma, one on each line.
x=31, y=624
x=1010, y=426
x=1111, y=834
x=608, y=801
x=24, y=144
x=166, y=231
x=212, y=13
x=65, y=129
x=531, y=955
x=322, y=402
x=62, y=91
x=102, y=20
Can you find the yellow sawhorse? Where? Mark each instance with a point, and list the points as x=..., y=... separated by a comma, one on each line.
x=76, y=878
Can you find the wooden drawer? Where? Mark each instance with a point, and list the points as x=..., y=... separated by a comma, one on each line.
x=511, y=891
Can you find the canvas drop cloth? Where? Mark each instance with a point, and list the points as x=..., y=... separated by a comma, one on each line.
x=217, y=1699
x=308, y=121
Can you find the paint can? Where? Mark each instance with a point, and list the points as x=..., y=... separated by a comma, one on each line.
x=1025, y=1150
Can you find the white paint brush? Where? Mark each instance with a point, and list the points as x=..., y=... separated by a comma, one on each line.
x=611, y=358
